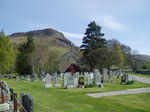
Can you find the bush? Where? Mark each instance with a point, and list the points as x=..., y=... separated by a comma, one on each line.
x=89, y=85
x=23, y=79
x=129, y=82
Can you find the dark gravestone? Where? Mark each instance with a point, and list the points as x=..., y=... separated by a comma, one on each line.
x=11, y=93
x=27, y=103
x=123, y=79
x=81, y=82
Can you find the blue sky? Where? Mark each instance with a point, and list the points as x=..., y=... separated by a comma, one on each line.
x=125, y=20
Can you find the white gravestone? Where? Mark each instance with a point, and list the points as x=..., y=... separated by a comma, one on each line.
x=48, y=81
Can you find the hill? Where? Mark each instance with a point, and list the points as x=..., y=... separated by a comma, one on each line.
x=51, y=38
x=142, y=57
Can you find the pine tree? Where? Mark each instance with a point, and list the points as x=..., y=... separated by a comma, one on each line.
x=92, y=41
x=23, y=63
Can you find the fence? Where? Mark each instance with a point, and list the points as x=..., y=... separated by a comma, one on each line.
x=9, y=101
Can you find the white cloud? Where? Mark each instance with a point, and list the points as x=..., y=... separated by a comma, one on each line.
x=68, y=34
x=109, y=21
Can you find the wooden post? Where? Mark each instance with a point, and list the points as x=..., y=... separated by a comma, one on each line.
x=2, y=94
x=15, y=102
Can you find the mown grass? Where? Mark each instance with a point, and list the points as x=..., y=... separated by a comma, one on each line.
x=141, y=75
x=75, y=100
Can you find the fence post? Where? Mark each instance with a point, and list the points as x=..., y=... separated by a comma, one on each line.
x=2, y=94
x=15, y=102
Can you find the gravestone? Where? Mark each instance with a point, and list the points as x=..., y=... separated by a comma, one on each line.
x=81, y=82
x=110, y=74
x=97, y=78
x=57, y=82
x=86, y=75
x=70, y=81
x=48, y=82
x=35, y=76
x=89, y=80
x=129, y=78
x=76, y=81
x=27, y=102
x=17, y=78
x=28, y=77
x=43, y=79
x=65, y=79
x=91, y=75
x=61, y=75
x=105, y=75
x=123, y=79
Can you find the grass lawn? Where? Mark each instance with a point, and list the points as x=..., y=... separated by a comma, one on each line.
x=147, y=76
x=75, y=100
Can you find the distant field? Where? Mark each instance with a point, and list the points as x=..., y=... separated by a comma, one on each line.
x=75, y=100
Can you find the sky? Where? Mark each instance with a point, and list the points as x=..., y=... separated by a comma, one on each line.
x=125, y=20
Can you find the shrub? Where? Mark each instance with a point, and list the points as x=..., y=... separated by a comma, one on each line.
x=89, y=85
x=129, y=82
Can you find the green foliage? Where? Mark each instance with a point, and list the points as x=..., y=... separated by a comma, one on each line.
x=44, y=59
x=7, y=54
x=92, y=41
x=93, y=38
x=129, y=82
x=90, y=85
x=146, y=65
x=120, y=56
x=23, y=63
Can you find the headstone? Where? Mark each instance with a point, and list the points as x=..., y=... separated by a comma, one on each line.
x=43, y=79
x=110, y=74
x=28, y=77
x=97, y=78
x=81, y=82
x=35, y=76
x=77, y=74
x=70, y=81
x=48, y=81
x=17, y=78
x=105, y=75
x=65, y=79
x=129, y=78
x=61, y=75
x=27, y=103
x=91, y=75
x=123, y=79
x=57, y=82
x=89, y=80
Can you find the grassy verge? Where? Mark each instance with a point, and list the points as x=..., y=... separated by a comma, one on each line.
x=141, y=75
x=75, y=100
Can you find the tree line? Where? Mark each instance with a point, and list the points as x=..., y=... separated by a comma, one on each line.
x=97, y=52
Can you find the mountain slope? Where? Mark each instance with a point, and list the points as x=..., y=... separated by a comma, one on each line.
x=48, y=37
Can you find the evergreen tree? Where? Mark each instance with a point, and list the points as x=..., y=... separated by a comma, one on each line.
x=92, y=41
x=23, y=63
x=7, y=54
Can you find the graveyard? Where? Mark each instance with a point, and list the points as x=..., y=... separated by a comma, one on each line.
x=61, y=99
x=74, y=56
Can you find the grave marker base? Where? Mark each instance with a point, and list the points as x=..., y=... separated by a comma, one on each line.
x=48, y=85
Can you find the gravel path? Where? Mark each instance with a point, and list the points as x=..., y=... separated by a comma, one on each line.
x=129, y=91
x=141, y=79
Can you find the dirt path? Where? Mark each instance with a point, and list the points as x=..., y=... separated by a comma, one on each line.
x=129, y=91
